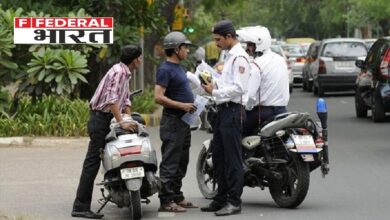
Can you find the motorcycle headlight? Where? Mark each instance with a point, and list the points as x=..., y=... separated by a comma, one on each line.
x=146, y=147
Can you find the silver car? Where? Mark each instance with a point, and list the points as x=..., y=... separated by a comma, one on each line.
x=296, y=55
x=311, y=56
x=334, y=69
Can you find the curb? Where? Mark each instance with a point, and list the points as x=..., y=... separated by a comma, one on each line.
x=43, y=141
x=152, y=120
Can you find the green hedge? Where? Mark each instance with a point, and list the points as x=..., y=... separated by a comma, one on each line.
x=59, y=116
x=50, y=116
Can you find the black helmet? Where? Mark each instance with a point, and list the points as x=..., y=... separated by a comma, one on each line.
x=175, y=39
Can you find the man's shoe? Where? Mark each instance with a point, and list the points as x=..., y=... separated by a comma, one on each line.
x=229, y=209
x=212, y=207
x=87, y=214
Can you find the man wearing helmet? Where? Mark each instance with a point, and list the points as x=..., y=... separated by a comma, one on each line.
x=173, y=92
x=268, y=89
x=226, y=148
x=111, y=98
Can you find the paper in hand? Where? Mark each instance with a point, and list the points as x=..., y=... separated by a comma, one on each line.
x=191, y=118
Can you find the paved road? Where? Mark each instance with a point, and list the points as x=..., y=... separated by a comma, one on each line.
x=40, y=182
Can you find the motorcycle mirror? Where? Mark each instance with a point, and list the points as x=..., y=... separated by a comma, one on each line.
x=134, y=93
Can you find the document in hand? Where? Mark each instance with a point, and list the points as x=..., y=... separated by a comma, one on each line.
x=200, y=103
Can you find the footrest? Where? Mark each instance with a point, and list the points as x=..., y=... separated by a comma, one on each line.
x=278, y=161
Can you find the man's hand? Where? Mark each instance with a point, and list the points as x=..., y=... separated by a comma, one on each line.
x=131, y=126
x=188, y=107
x=209, y=87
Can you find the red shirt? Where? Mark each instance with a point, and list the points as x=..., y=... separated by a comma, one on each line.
x=113, y=88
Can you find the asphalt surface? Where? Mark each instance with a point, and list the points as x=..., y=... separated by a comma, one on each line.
x=40, y=182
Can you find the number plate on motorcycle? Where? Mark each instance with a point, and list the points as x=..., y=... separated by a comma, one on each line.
x=134, y=172
x=304, y=143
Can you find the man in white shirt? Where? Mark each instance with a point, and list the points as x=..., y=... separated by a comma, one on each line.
x=268, y=88
x=226, y=147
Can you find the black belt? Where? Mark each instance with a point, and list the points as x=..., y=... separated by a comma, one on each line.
x=227, y=105
x=102, y=114
x=271, y=107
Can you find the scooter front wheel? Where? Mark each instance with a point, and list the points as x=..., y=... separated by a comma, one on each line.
x=135, y=205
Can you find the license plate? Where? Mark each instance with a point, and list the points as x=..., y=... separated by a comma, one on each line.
x=134, y=172
x=304, y=143
x=307, y=157
x=344, y=64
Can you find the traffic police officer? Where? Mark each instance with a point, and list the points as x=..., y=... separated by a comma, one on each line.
x=268, y=88
x=226, y=148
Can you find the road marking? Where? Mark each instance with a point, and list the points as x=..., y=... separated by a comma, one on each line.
x=344, y=102
x=166, y=214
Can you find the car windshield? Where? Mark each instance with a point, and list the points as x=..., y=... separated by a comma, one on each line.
x=294, y=50
x=344, y=49
x=277, y=49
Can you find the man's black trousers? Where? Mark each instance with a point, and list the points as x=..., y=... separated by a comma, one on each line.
x=176, y=140
x=227, y=153
x=98, y=128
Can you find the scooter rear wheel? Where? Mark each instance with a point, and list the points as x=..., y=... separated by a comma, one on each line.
x=135, y=205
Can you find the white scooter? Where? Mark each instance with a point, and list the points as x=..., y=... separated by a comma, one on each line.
x=130, y=164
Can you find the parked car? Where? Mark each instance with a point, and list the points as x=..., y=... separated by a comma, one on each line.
x=369, y=42
x=278, y=49
x=373, y=84
x=334, y=70
x=298, y=40
x=311, y=56
x=296, y=55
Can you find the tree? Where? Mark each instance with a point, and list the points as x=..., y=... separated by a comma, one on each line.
x=378, y=12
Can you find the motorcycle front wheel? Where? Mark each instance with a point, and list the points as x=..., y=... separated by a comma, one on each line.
x=135, y=205
x=291, y=190
x=205, y=176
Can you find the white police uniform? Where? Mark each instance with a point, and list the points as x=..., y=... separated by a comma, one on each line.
x=232, y=85
x=270, y=79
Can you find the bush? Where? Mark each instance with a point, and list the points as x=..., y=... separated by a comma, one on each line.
x=50, y=116
x=59, y=116
x=144, y=103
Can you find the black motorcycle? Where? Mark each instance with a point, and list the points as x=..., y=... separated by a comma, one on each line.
x=280, y=157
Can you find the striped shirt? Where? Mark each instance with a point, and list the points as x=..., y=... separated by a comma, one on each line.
x=113, y=88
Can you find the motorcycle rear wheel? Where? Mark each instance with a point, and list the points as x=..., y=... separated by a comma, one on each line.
x=135, y=205
x=204, y=175
x=291, y=190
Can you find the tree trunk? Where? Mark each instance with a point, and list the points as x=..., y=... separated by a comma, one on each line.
x=385, y=25
x=97, y=71
x=151, y=40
